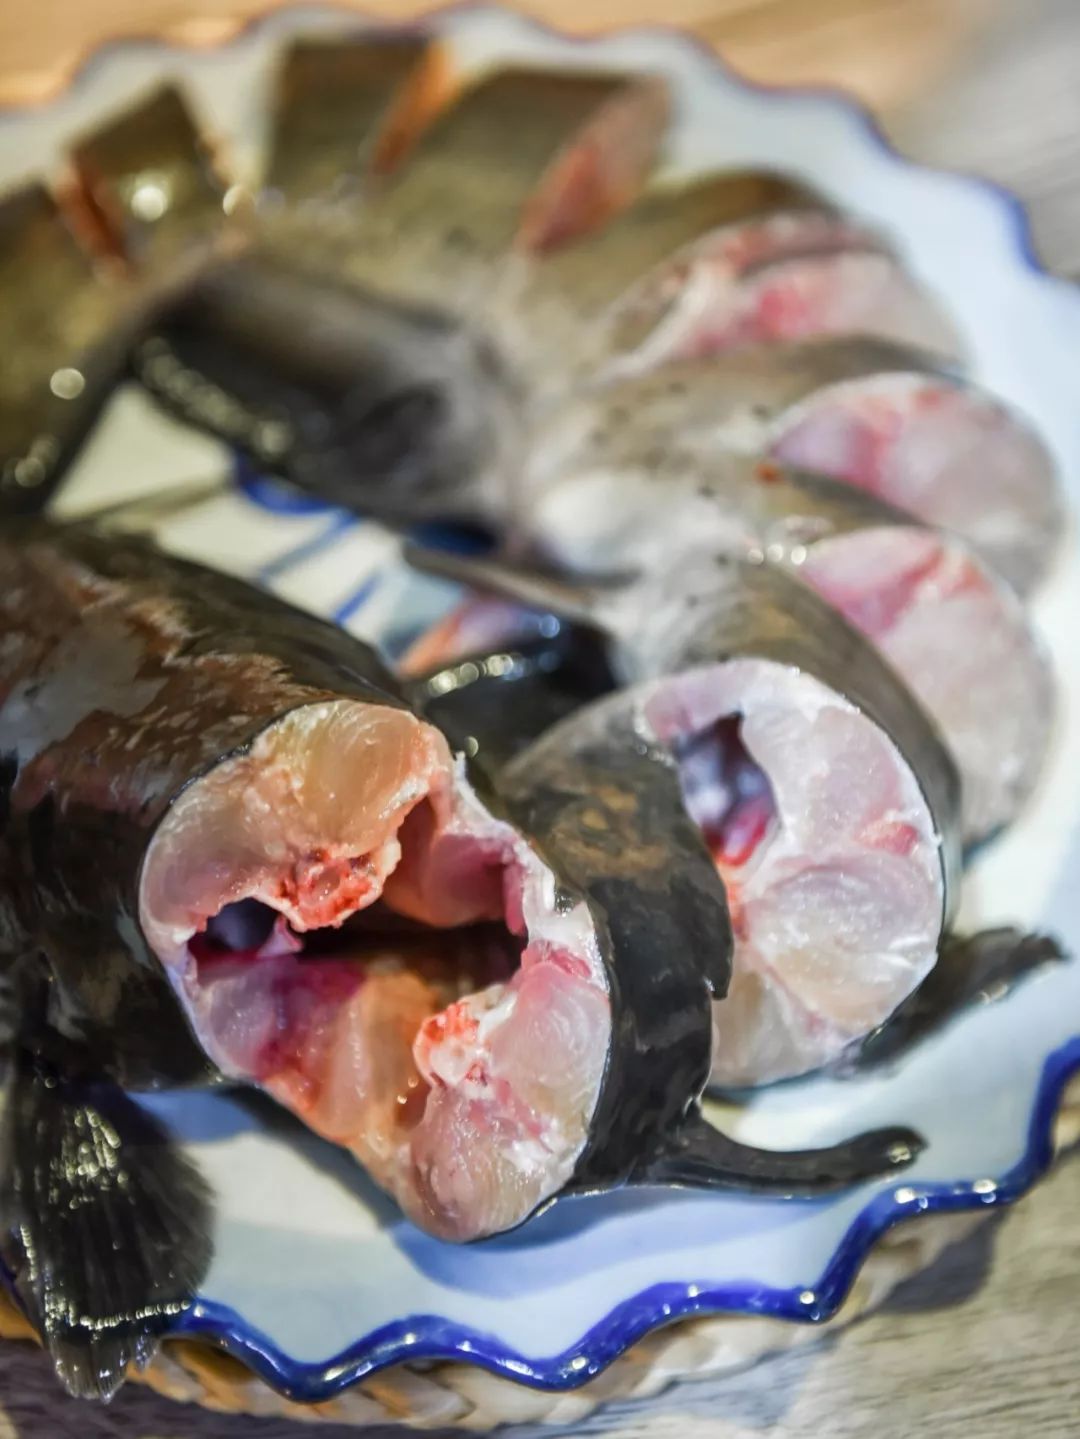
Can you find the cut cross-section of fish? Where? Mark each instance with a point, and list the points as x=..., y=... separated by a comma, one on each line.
x=961, y=640
x=243, y=751
x=564, y=298
x=788, y=276
x=465, y=1088
x=803, y=757
x=828, y=852
x=345, y=108
x=941, y=449
x=148, y=179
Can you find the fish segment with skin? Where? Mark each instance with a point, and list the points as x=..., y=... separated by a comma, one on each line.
x=830, y=836
x=962, y=642
x=470, y=1107
x=940, y=449
x=886, y=419
x=624, y=487
x=244, y=751
x=787, y=276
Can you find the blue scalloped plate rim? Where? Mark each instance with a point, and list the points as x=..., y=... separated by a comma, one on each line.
x=429, y=1337
x=432, y=1337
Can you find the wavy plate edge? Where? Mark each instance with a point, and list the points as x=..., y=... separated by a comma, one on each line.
x=431, y=1338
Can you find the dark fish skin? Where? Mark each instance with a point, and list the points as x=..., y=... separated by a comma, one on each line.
x=972, y=969
x=607, y=810
x=387, y=409
x=727, y=607
x=124, y=675
x=150, y=182
x=494, y=706
x=87, y=1173
x=64, y=350
x=172, y=670
x=332, y=107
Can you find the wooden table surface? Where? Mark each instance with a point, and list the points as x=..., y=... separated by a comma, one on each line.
x=983, y=1345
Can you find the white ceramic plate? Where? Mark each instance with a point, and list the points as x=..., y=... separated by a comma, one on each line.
x=317, y=1280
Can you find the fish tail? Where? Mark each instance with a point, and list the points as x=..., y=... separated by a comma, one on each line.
x=700, y=1156
x=108, y=1224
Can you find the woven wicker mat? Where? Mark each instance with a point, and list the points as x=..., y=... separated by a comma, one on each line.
x=462, y=1396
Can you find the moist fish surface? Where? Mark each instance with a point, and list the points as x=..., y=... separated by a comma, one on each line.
x=886, y=419
x=233, y=852
x=823, y=792
x=798, y=275
x=631, y=489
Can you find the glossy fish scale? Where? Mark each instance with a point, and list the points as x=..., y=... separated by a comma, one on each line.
x=788, y=276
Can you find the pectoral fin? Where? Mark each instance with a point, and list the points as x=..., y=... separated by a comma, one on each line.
x=108, y=1223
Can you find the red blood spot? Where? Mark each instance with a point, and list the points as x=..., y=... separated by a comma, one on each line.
x=767, y=473
x=455, y=1023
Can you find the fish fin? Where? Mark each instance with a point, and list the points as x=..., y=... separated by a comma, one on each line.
x=971, y=969
x=109, y=1223
x=700, y=1156
x=514, y=580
